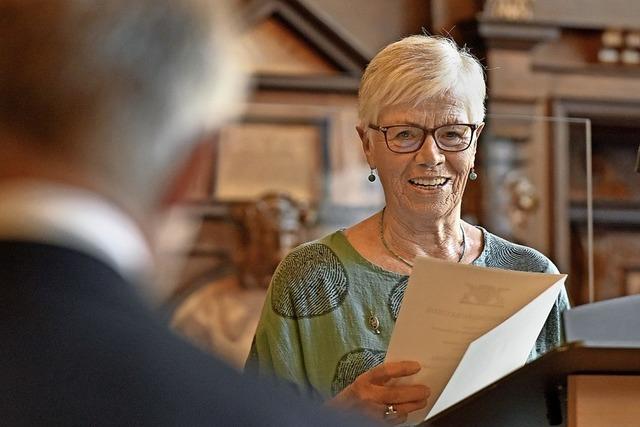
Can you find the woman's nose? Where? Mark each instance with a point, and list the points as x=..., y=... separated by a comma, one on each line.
x=429, y=154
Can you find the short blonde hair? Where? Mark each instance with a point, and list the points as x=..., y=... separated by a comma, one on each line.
x=419, y=68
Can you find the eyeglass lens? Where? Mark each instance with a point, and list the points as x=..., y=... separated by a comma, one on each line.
x=455, y=137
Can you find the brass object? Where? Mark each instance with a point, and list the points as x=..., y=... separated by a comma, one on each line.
x=509, y=10
x=374, y=324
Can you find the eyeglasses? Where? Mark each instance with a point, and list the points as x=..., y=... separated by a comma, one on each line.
x=408, y=139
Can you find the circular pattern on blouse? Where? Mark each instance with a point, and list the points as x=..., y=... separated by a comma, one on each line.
x=311, y=281
x=516, y=257
x=396, y=296
x=352, y=365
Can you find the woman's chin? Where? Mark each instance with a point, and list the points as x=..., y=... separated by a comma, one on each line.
x=428, y=203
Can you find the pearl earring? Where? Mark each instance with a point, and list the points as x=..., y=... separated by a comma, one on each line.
x=473, y=175
x=372, y=177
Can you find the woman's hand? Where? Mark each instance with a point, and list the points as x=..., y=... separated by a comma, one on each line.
x=370, y=394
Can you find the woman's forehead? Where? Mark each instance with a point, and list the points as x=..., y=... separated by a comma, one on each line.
x=441, y=109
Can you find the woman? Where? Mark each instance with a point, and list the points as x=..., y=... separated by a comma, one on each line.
x=332, y=303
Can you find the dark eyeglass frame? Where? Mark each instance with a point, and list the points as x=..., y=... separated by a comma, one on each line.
x=427, y=131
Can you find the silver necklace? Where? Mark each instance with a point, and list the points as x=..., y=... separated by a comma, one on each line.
x=463, y=244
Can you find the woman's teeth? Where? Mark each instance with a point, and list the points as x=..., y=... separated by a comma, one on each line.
x=429, y=182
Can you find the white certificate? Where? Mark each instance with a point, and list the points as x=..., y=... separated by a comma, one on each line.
x=468, y=326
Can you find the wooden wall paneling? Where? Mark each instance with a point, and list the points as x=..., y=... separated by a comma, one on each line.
x=500, y=34
x=603, y=400
x=446, y=15
x=621, y=114
x=603, y=88
x=276, y=50
x=616, y=262
x=372, y=24
x=573, y=51
x=588, y=13
x=300, y=50
x=510, y=76
x=568, y=65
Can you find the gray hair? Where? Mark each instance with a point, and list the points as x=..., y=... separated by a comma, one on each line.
x=124, y=86
x=419, y=68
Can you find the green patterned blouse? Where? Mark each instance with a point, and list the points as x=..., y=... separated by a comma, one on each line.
x=315, y=330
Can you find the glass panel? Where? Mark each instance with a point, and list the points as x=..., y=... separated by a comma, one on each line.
x=538, y=192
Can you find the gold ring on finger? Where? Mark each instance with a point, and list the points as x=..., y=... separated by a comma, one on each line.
x=391, y=410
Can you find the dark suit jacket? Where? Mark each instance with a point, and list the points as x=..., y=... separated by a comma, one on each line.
x=78, y=346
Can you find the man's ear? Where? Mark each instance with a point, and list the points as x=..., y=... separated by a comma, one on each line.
x=184, y=184
x=366, y=146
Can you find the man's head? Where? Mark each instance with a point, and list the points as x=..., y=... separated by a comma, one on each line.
x=113, y=95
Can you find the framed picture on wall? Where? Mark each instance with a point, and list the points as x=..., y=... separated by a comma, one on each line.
x=264, y=154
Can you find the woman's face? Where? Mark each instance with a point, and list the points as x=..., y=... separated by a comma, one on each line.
x=428, y=182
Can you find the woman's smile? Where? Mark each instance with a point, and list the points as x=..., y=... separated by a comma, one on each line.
x=430, y=183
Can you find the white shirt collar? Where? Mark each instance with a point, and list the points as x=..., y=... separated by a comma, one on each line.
x=77, y=219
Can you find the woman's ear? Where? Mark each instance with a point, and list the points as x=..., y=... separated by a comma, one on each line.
x=477, y=137
x=366, y=146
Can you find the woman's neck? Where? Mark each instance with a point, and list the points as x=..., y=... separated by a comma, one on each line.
x=408, y=237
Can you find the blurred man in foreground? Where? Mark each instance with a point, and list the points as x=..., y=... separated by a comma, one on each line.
x=102, y=105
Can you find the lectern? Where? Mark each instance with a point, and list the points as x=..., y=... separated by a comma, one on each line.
x=577, y=385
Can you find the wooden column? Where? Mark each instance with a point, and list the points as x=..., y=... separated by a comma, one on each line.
x=603, y=400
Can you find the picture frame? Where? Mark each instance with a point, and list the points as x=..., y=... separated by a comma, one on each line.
x=272, y=153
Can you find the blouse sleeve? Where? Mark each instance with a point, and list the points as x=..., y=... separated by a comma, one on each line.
x=552, y=334
x=277, y=345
